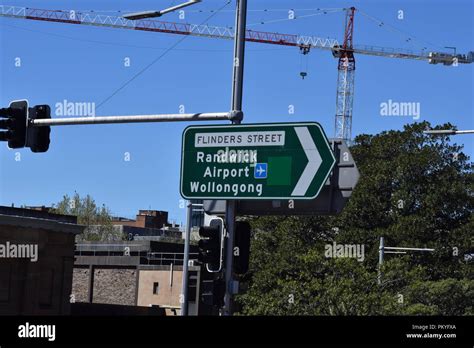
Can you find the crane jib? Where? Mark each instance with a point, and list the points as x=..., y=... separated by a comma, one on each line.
x=76, y=17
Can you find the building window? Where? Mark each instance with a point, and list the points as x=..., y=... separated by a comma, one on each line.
x=156, y=287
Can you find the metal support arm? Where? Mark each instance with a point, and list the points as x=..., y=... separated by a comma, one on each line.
x=134, y=119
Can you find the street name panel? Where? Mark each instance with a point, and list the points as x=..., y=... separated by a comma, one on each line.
x=255, y=161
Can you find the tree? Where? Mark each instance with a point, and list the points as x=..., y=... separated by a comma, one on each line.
x=416, y=190
x=98, y=220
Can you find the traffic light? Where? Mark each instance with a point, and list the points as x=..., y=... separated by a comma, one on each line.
x=241, y=247
x=15, y=123
x=38, y=137
x=213, y=292
x=16, y=120
x=211, y=245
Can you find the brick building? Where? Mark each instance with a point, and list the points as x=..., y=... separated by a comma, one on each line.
x=145, y=219
x=148, y=223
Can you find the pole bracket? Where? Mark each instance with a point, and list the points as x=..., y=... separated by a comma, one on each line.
x=236, y=115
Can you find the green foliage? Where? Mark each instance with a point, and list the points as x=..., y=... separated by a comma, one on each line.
x=98, y=220
x=443, y=297
x=416, y=190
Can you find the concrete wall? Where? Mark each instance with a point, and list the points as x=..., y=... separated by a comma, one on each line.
x=168, y=295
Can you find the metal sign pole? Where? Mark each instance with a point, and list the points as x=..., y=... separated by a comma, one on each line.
x=236, y=107
x=381, y=254
x=388, y=250
x=184, y=289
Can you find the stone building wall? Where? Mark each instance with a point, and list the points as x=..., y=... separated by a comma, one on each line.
x=115, y=286
x=80, y=284
x=111, y=286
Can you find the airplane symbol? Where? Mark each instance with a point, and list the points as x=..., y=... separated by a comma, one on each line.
x=260, y=171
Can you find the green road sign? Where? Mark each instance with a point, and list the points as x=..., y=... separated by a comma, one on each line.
x=255, y=161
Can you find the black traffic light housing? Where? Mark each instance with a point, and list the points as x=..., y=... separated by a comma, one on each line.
x=213, y=292
x=19, y=132
x=211, y=245
x=14, y=120
x=241, y=252
x=38, y=137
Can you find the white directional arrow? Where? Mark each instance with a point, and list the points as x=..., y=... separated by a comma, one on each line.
x=314, y=161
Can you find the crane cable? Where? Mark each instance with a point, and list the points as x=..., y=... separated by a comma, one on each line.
x=321, y=11
x=407, y=36
x=292, y=19
x=233, y=11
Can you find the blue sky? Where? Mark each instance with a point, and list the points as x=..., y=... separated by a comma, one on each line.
x=79, y=63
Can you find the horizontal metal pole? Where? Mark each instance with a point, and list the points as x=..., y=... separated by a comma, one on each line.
x=177, y=7
x=132, y=119
x=142, y=15
x=400, y=248
x=395, y=252
x=448, y=131
x=153, y=14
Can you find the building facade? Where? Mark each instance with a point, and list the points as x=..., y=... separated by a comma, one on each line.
x=148, y=224
x=135, y=273
x=36, y=261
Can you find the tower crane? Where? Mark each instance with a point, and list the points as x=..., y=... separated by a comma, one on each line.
x=345, y=52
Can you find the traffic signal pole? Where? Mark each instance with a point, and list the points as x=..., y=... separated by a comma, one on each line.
x=184, y=289
x=210, y=116
x=236, y=107
x=393, y=250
